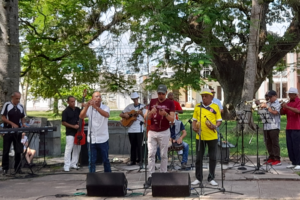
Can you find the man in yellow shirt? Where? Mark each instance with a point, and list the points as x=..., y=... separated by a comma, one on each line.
x=206, y=119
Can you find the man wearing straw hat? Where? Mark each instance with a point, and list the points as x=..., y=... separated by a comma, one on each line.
x=292, y=112
x=206, y=119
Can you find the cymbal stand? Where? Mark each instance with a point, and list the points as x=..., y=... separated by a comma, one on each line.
x=191, y=132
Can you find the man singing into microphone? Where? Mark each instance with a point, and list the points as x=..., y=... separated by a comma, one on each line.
x=161, y=111
x=97, y=138
x=208, y=115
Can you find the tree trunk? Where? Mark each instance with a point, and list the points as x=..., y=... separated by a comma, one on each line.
x=9, y=49
x=55, y=106
x=251, y=63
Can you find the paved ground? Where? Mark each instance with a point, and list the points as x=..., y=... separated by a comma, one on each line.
x=276, y=183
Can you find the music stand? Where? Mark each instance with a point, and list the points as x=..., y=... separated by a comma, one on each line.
x=242, y=119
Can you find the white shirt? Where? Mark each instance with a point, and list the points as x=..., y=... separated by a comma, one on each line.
x=98, y=125
x=135, y=127
x=23, y=141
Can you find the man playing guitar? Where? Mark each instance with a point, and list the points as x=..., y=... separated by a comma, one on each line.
x=70, y=118
x=135, y=131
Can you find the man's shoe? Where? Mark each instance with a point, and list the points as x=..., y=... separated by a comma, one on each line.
x=148, y=183
x=131, y=163
x=276, y=163
x=183, y=165
x=66, y=169
x=297, y=167
x=4, y=172
x=195, y=182
x=75, y=167
x=19, y=172
x=290, y=166
x=269, y=161
x=213, y=183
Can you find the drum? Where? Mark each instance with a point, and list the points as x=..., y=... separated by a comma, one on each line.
x=175, y=146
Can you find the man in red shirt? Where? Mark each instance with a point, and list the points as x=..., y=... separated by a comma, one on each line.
x=161, y=113
x=178, y=108
x=292, y=112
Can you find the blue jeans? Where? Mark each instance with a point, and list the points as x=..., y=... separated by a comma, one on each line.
x=185, y=152
x=293, y=146
x=103, y=148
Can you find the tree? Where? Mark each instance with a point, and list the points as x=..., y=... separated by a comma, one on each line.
x=219, y=29
x=9, y=49
x=56, y=48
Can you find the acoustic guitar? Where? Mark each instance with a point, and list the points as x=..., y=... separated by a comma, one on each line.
x=80, y=137
x=132, y=117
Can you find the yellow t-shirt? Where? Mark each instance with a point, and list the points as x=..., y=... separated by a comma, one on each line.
x=213, y=115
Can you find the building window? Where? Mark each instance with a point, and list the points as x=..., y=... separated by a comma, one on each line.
x=284, y=90
x=219, y=93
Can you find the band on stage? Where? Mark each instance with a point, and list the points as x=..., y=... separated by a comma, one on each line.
x=165, y=132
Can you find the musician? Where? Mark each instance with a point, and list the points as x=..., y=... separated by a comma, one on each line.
x=161, y=112
x=98, y=136
x=176, y=129
x=30, y=152
x=209, y=117
x=292, y=112
x=135, y=131
x=271, y=130
x=216, y=101
x=70, y=119
x=13, y=116
x=178, y=108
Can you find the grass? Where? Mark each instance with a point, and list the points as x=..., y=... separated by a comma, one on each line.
x=233, y=137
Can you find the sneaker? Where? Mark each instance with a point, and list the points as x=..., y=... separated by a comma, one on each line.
x=276, y=163
x=66, y=169
x=213, y=183
x=195, y=182
x=269, y=161
x=75, y=167
x=290, y=166
x=297, y=167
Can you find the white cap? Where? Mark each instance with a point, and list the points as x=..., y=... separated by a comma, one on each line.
x=134, y=95
x=292, y=90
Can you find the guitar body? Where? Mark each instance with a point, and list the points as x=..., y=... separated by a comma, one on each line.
x=128, y=122
x=80, y=138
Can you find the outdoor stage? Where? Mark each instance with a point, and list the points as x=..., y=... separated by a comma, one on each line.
x=280, y=183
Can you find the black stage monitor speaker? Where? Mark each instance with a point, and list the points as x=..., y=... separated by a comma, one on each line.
x=106, y=184
x=171, y=185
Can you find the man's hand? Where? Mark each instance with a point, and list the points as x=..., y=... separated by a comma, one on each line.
x=284, y=105
x=196, y=130
x=153, y=111
x=76, y=126
x=25, y=126
x=179, y=140
x=13, y=125
x=162, y=112
x=126, y=115
x=263, y=105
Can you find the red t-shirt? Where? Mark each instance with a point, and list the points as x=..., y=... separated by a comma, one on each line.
x=293, y=119
x=158, y=122
x=177, y=107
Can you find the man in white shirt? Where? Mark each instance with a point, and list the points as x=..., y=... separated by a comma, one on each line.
x=216, y=101
x=135, y=131
x=98, y=136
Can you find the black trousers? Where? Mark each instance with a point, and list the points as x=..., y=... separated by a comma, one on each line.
x=272, y=143
x=293, y=145
x=14, y=138
x=136, y=149
x=212, y=151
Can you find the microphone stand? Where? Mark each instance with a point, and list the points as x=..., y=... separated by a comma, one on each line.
x=222, y=189
x=146, y=186
x=191, y=132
